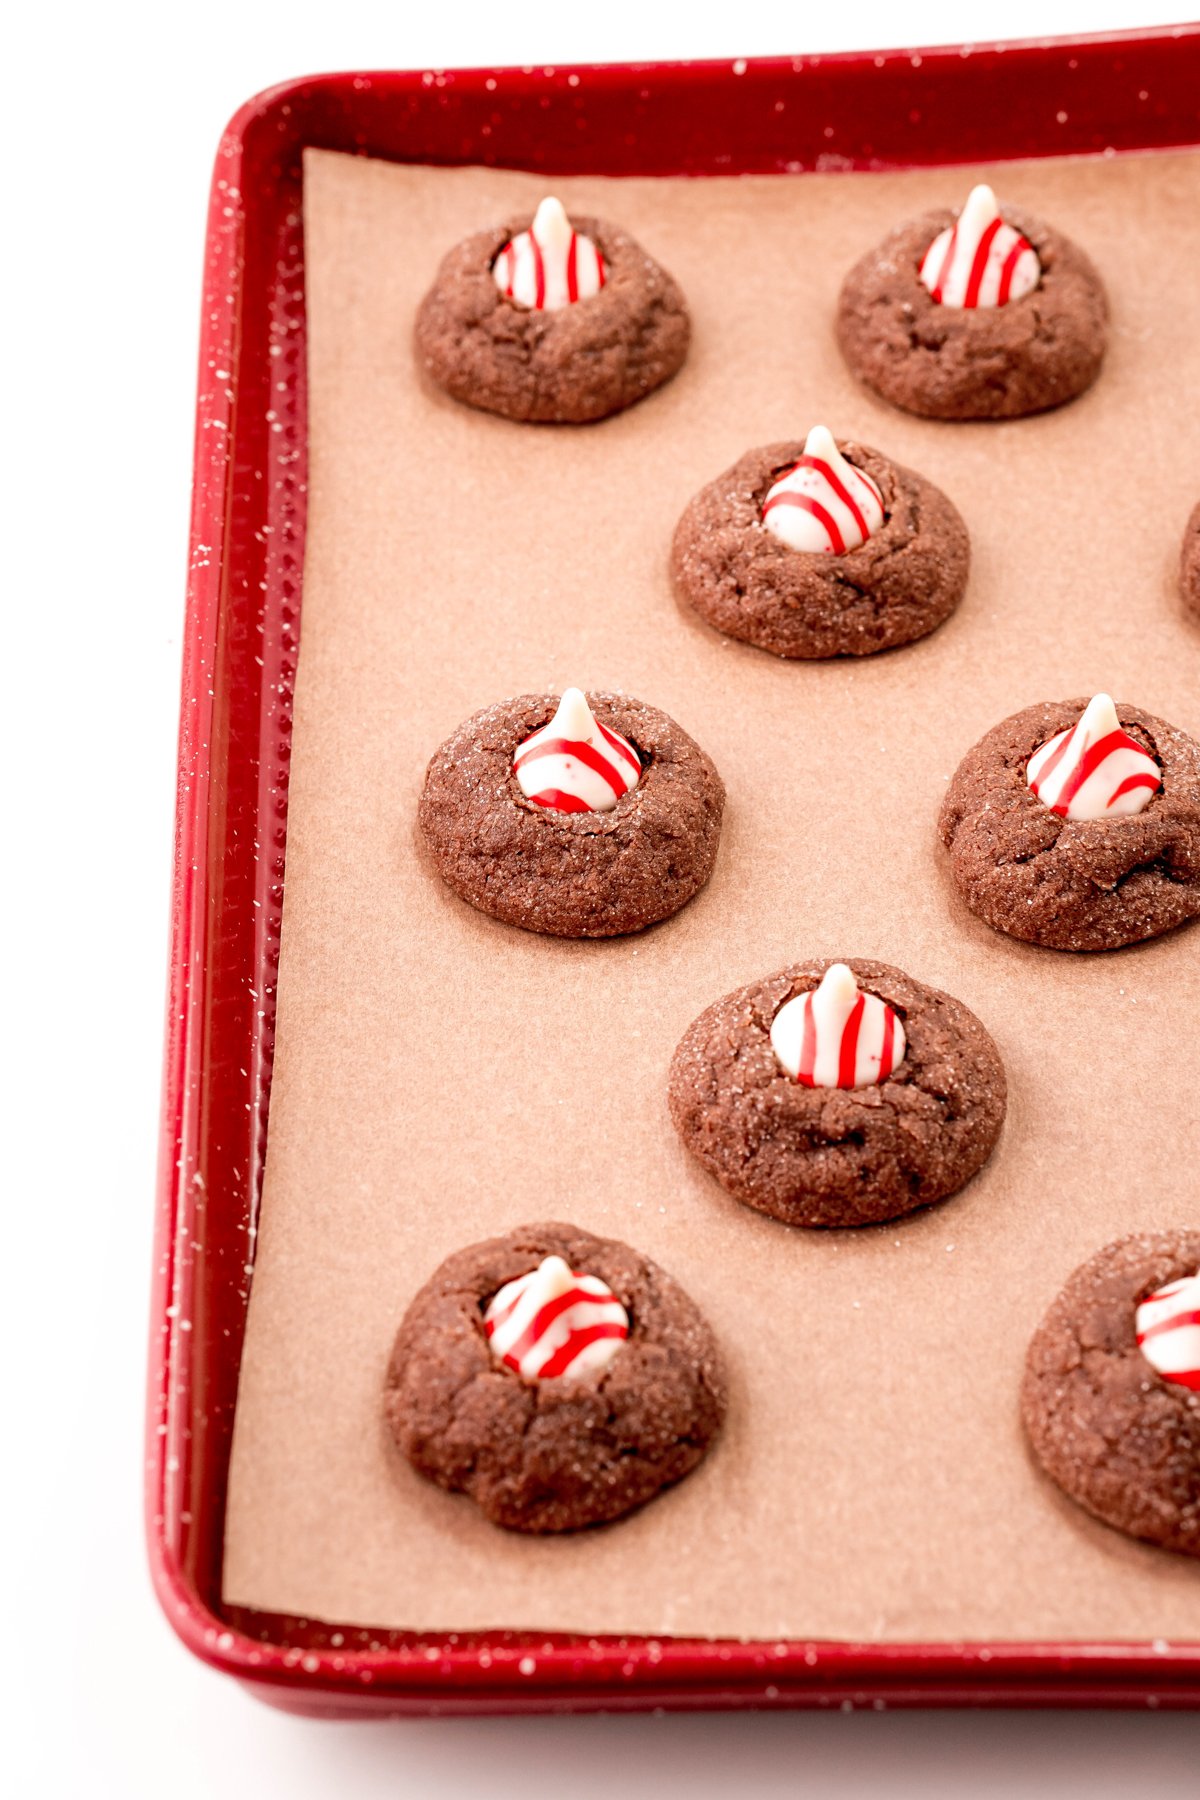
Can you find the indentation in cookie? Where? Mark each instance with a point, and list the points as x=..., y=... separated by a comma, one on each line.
x=555, y=1321
x=836, y=1035
x=979, y=260
x=576, y=763
x=551, y=264
x=822, y=502
x=1094, y=769
x=1168, y=1330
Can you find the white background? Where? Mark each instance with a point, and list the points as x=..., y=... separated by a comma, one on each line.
x=111, y=117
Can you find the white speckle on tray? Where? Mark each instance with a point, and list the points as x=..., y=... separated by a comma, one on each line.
x=739, y=67
x=527, y=1665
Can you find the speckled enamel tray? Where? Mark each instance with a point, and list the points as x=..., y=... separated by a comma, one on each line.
x=896, y=109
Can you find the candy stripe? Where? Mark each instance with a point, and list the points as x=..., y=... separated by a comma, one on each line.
x=584, y=753
x=1052, y=761
x=539, y=273
x=1174, y=1323
x=1009, y=269
x=839, y=487
x=558, y=801
x=573, y=268
x=1167, y=1326
x=848, y=1049
x=806, y=503
x=887, y=1048
x=542, y=1320
x=979, y=264
x=567, y=1353
x=1091, y=759
x=623, y=750
x=1130, y=783
x=808, y=1047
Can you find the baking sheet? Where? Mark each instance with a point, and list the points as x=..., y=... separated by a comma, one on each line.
x=439, y=1077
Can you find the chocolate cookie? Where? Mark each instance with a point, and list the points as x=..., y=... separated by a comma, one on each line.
x=1116, y=1435
x=552, y=1452
x=580, y=873
x=972, y=362
x=833, y=1155
x=898, y=585
x=1074, y=884
x=1189, y=564
x=577, y=362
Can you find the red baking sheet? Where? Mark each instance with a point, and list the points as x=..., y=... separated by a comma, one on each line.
x=898, y=108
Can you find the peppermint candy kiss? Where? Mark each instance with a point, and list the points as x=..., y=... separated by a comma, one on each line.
x=551, y=264
x=836, y=1036
x=1095, y=770
x=979, y=260
x=822, y=502
x=555, y=1321
x=1168, y=1331
x=576, y=764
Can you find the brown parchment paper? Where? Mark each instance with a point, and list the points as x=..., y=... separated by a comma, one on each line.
x=439, y=1077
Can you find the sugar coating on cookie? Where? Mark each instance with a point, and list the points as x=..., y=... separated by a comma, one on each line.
x=555, y=1321
x=1168, y=1331
x=952, y=348
x=1029, y=866
x=823, y=503
x=550, y=265
x=1119, y=1435
x=559, y=863
x=732, y=563
x=535, y=1453
x=817, y=1155
x=1094, y=769
x=576, y=763
x=838, y=1036
x=979, y=260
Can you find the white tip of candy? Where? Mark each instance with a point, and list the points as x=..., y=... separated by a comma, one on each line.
x=576, y=764
x=1094, y=769
x=823, y=504
x=837, y=1036
x=551, y=1278
x=1097, y=719
x=980, y=209
x=837, y=992
x=551, y=226
x=1167, y=1326
x=821, y=442
x=574, y=718
x=979, y=261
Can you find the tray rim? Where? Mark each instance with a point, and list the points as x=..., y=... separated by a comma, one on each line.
x=486, y=1672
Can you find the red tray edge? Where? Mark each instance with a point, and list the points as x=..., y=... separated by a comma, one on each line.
x=434, y=1676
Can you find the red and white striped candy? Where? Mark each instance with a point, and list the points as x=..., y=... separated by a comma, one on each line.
x=1095, y=770
x=576, y=764
x=1168, y=1331
x=555, y=1321
x=979, y=260
x=550, y=265
x=823, y=502
x=836, y=1036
